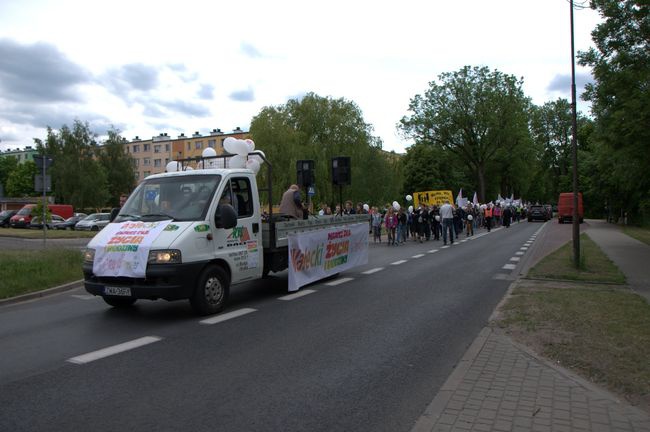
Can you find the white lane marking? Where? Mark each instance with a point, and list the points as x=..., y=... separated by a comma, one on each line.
x=339, y=281
x=115, y=349
x=463, y=241
x=444, y=247
x=432, y=251
x=501, y=276
x=398, y=262
x=523, y=248
x=528, y=243
x=509, y=267
x=418, y=256
x=515, y=259
x=83, y=296
x=227, y=316
x=296, y=295
x=371, y=271
x=520, y=253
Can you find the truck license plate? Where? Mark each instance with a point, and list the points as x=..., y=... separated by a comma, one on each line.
x=117, y=291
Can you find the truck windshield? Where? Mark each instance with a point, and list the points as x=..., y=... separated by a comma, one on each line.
x=180, y=198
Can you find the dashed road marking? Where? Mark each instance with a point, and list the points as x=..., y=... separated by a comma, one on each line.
x=520, y=253
x=515, y=259
x=509, y=267
x=371, y=271
x=523, y=248
x=227, y=316
x=432, y=251
x=115, y=349
x=444, y=247
x=299, y=294
x=418, y=256
x=339, y=281
x=501, y=276
x=398, y=262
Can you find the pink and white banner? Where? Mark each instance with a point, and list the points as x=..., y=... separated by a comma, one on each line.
x=123, y=248
x=315, y=255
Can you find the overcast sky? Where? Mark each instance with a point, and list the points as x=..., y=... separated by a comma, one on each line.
x=147, y=67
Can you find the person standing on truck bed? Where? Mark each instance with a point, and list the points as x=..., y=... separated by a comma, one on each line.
x=291, y=203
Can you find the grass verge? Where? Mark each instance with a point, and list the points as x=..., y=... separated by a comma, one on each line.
x=38, y=234
x=599, y=331
x=22, y=272
x=595, y=265
x=641, y=234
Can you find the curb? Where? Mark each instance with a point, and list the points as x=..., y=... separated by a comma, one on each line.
x=44, y=293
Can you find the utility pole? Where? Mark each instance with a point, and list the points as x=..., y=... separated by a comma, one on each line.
x=574, y=151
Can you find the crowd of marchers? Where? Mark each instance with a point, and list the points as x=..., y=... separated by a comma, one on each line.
x=424, y=223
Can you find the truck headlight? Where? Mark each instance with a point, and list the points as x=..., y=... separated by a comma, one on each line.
x=89, y=255
x=165, y=256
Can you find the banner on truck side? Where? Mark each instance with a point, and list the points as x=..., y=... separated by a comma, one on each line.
x=318, y=254
x=123, y=249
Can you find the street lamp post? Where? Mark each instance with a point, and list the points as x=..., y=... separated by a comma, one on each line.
x=574, y=151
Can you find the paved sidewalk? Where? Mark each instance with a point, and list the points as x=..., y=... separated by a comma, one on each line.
x=500, y=385
x=629, y=254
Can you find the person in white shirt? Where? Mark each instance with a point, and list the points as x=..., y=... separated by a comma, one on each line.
x=447, y=216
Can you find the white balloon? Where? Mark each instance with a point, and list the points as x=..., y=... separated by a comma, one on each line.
x=470, y=217
x=241, y=148
x=250, y=144
x=437, y=218
x=229, y=145
x=410, y=209
x=209, y=152
x=237, y=161
x=396, y=206
x=395, y=203
x=366, y=207
x=409, y=198
x=257, y=156
x=173, y=166
x=253, y=165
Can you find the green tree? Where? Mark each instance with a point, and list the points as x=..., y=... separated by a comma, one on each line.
x=118, y=165
x=77, y=176
x=7, y=165
x=41, y=206
x=320, y=128
x=620, y=100
x=21, y=180
x=472, y=113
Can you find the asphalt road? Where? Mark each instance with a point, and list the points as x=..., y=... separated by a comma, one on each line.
x=367, y=351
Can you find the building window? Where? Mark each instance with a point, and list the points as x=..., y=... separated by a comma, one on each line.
x=211, y=143
x=156, y=148
x=146, y=161
x=136, y=148
x=198, y=145
x=222, y=140
x=189, y=145
x=146, y=173
x=136, y=162
x=157, y=163
x=166, y=147
x=146, y=147
x=136, y=174
x=166, y=161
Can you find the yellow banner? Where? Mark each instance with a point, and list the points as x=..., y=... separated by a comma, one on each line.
x=432, y=198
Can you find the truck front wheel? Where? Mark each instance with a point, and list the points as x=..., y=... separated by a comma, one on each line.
x=211, y=292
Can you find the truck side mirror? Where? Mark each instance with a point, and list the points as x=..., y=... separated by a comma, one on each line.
x=225, y=216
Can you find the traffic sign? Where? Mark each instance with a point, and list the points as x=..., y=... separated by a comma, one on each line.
x=311, y=191
x=38, y=183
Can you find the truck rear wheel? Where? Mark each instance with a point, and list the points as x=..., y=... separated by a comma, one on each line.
x=211, y=292
x=119, y=302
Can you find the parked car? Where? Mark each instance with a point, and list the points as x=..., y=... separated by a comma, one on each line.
x=537, y=212
x=36, y=222
x=93, y=222
x=23, y=218
x=70, y=222
x=5, y=216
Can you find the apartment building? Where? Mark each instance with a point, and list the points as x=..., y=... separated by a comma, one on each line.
x=21, y=155
x=152, y=156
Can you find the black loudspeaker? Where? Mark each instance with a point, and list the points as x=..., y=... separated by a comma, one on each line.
x=305, y=170
x=341, y=171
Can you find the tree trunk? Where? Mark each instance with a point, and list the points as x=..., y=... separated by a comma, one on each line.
x=480, y=171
